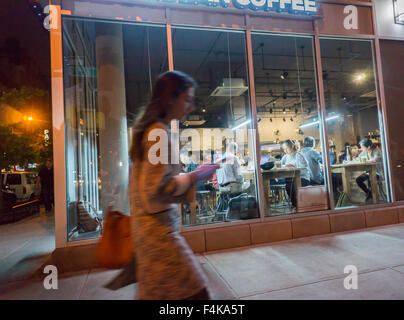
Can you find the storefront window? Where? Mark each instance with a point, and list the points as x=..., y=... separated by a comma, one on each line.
x=288, y=124
x=109, y=70
x=353, y=123
x=221, y=125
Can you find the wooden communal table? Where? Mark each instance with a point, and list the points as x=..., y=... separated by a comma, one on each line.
x=346, y=170
x=276, y=173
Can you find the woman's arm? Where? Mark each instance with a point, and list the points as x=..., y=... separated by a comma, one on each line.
x=158, y=184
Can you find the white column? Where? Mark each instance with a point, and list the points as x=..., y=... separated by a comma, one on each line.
x=113, y=140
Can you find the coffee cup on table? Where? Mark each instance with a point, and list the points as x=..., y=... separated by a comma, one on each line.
x=363, y=159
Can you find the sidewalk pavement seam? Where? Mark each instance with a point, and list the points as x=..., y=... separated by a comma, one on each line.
x=310, y=283
x=233, y=292
x=401, y=272
x=15, y=250
x=84, y=284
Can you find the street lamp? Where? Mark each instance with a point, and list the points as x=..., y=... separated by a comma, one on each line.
x=398, y=11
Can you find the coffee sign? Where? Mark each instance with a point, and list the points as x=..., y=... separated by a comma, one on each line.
x=291, y=6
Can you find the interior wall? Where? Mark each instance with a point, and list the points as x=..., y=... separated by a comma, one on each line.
x=392, y=53
x=287, y=129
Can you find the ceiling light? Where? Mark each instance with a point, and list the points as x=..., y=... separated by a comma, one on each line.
x=359, y=77
x=203, y=110
x=284, y=110
x=284, y=75
x=305, y=125
x=241, y=124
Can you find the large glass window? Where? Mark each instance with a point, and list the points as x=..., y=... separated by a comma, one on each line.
x=288, y=124
x=219, y=127
x=353, y=123
x=109, y=70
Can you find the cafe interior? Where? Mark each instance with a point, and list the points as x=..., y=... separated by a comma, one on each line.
x=287, y=108
x=345, y=158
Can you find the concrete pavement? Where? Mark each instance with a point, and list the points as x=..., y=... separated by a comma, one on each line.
x=306, y=268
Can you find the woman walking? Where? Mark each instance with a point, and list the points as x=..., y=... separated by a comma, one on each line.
x=165, y=265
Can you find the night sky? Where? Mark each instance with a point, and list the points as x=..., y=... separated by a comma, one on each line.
x=25, y=50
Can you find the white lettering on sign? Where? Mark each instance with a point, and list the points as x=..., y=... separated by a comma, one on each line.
x=351, y=20
x=292, y=6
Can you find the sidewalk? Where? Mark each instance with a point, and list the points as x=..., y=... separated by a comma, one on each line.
x=307, y=268
x=25, y=245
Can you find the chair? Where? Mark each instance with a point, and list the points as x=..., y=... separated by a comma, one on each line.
x=225, y=194
x=381, y=184
x=205, y=210
x=278, y=193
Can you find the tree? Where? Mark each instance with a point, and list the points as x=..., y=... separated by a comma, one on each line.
x=19, y=97
x=16, y=149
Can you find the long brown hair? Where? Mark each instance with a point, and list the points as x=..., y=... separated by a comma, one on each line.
x=169, y=85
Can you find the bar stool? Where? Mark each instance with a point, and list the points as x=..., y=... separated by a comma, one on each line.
x=204, y=207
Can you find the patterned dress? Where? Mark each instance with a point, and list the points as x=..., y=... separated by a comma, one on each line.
x=166, y=268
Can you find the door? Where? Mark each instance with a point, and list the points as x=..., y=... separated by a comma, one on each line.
x=392, y=53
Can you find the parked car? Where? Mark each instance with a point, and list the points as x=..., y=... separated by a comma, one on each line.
x=20, y=183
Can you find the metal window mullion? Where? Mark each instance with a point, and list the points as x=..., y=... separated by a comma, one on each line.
x=257, y=156
x=322, y=116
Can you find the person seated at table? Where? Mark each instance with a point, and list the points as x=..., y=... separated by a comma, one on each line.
x=190, y=165
x=292, y=158
x=355, y=151
x=229, y=175
x=298, y=146
x=333, y=154
x=314, y=160
x=373, y=154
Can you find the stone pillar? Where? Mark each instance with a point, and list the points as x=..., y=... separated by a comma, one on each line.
x=113, y=139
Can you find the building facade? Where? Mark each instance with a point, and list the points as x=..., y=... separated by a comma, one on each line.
x=267, y=71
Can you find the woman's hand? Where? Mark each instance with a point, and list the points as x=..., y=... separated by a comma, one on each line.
x=204, y=172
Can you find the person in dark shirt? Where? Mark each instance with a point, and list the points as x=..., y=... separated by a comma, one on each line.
x=45, y=178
